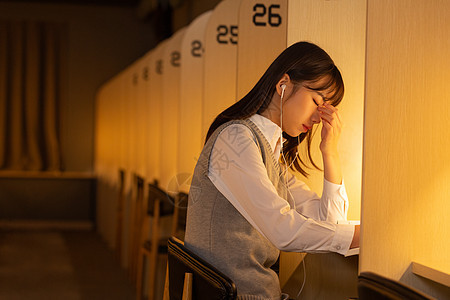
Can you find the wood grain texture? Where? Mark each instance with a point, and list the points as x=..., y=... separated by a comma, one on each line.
x=127, y=126
x=220, y=61
x=190, y=141
x=154, y=94
x=262, y=37
x=141, y=115
x=339, y=28
x=406, y=159
x=170, y=109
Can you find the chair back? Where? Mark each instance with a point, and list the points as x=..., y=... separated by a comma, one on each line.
x=372, y=286
x=208, y=283
x=165, y=201
x=179, y=216
x=120, y=213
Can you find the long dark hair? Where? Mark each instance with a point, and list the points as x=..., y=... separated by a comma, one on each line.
x=305, y=63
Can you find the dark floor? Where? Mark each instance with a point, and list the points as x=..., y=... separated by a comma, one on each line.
x=60, y=265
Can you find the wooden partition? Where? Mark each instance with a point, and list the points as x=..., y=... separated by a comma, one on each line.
x=339, y=27
x=170, y=110
x=154, y=95
x=142, y=119
x=262, y=37
x=406, y=168
x=133, y=118
x=101, y=143
x=266, y=28
x=220, y=61
x=190, y=141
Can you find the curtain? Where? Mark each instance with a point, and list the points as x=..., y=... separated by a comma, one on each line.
x=32, y=56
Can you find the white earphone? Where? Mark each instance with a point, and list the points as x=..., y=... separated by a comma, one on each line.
x=283, y=87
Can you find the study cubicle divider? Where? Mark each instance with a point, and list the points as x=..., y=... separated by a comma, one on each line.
x=132, y=121
x=125, y=165
x=268, y=27
x=262, y=37
x=340, y=29
x=138, y=127
x=142, y=130
x=406, y=167
x=154, y=109
x=100, y=164
x=191, y=100
x=106, y=157
x=170, y=109
x=221, y=40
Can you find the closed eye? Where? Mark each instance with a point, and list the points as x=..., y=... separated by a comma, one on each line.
x=315, y=102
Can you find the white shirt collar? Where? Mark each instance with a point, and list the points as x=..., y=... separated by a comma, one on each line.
x=269, y=129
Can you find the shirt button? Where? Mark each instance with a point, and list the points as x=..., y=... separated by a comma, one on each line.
x=338, y=247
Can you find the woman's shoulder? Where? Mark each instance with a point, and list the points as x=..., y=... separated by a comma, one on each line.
x=236, y=131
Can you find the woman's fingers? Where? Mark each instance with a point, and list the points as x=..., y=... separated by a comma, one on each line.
x=330, y=115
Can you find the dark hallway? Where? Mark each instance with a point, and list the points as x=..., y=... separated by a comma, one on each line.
x=60, y=265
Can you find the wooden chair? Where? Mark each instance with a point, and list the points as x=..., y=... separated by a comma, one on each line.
x=136, y=218
x=159, y=204
x=179, y=216
x=191, y=277
x=120, y=213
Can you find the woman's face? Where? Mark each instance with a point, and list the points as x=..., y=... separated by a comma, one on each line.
x=300, y=109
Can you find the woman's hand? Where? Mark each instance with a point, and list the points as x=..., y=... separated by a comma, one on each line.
x=331, y=132
x=331, y=129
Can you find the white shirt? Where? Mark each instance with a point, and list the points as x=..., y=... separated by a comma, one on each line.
x=306, y=225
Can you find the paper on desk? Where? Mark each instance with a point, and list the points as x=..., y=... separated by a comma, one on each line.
x=354, y=251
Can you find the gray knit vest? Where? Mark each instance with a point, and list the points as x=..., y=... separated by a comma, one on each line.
x=216, y=231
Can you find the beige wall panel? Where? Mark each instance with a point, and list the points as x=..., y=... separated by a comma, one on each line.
x=121, y=119
x=406, y=169
x=121, y=155
x=170, y=109
x=101, y=122
x=133, y=117
x=262, y=37
x=154, y=91
x=220, y=61
x=191, y=99
x=108, y=157
x=127, y=106
x=339, y=28
x=142, y=115
x=115, y=137
x=100, y=128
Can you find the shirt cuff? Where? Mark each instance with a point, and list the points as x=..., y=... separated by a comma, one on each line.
x=342, y=238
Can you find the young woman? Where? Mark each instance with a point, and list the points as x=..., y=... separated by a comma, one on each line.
x=244, y=203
